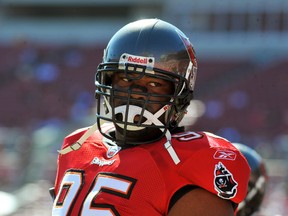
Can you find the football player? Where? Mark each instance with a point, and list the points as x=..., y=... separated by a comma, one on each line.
x=257, y=182
x=138, y=161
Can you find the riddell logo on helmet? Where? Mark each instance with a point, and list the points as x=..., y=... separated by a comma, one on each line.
x=137, y=60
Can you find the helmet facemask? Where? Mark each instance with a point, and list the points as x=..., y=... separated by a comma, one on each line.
x=129, y=113
x=146, y=48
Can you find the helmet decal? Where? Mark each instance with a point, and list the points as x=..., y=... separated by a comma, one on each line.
x=224, y=182
x=192, y=68
x=189, y=47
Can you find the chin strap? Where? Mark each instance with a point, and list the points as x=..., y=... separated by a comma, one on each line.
x=151, y=118
x=77, y=145
x=170, y=149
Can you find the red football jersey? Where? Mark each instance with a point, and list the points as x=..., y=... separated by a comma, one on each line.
x=101, y=179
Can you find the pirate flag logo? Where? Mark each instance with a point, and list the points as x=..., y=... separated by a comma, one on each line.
x=224, y=182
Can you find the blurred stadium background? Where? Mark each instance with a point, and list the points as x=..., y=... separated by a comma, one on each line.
x=49, y=52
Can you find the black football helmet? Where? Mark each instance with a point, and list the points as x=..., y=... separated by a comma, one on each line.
x=148, y=47
x=257, y=182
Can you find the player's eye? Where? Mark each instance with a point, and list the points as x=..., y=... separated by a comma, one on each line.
x=154, y=84
x=124, y=79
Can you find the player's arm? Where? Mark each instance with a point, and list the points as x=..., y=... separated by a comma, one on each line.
x=200, y=202
x=221, y=171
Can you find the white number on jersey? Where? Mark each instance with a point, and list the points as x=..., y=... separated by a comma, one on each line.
x=72, y=184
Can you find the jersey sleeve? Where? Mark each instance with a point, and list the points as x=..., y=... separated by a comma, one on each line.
x=221, y=170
